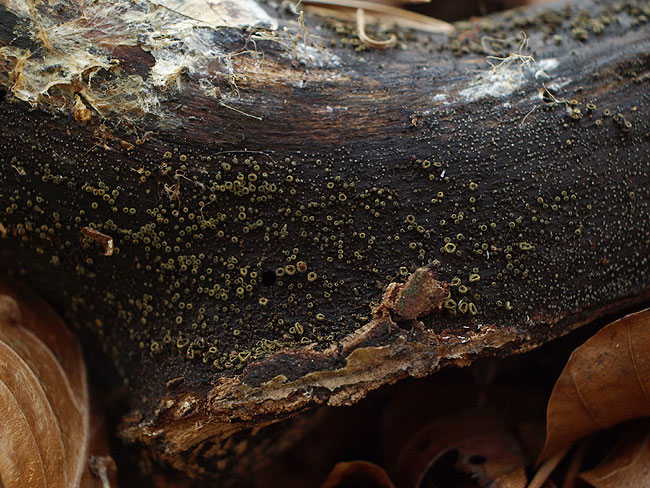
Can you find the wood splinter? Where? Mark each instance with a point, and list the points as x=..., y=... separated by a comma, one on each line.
x=103, y=239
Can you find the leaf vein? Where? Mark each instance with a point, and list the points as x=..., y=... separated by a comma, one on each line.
x=630, y=346
x=585, y=405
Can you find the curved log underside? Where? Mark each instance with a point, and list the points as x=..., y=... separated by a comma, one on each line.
x=296, y=220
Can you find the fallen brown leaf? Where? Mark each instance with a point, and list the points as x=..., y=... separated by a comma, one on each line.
x=414, y=405
x=358, y=473
x=478, y=444
x=605, y=382
x=43, y=396
x=626, y=466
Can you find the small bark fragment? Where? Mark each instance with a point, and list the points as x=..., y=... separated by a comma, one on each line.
x=422, y=294
x=105, y=240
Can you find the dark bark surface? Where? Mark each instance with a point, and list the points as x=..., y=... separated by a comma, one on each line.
x=268, y=200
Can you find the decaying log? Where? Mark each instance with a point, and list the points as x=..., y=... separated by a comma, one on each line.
x=295, y=219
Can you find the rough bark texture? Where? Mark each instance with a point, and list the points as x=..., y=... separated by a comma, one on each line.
x=269, y=191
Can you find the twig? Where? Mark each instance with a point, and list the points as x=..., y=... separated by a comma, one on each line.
x=99, y=465
x=240, y=111
x=547, y=468
x=434, y=25
x=369, y=41
x=576, y=462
